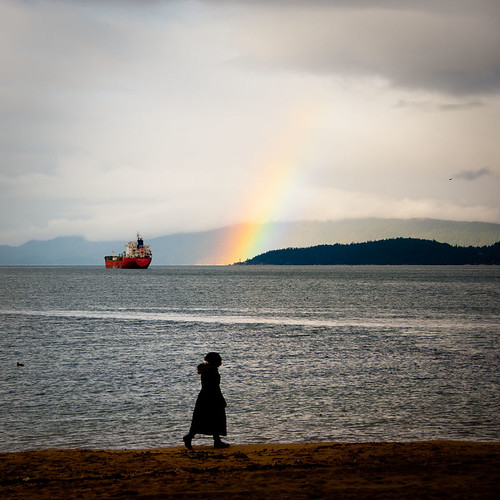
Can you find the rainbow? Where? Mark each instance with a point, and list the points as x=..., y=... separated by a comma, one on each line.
x=276, y=185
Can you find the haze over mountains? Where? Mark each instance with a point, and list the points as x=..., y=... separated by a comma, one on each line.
x=205, y=247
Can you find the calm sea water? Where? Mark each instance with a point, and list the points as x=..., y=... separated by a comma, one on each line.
x=310, y=354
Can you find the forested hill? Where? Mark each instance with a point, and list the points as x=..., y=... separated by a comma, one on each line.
x=398, y=251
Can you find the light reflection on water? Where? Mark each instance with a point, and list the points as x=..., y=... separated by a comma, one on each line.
x=310, y=354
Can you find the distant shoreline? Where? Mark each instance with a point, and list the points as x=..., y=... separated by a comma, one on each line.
x=427, y=469
x=213, y=246
x=388, y=252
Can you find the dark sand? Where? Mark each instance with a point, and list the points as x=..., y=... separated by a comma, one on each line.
x=435, y=469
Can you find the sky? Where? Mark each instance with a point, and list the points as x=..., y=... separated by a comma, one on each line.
x=179, y=116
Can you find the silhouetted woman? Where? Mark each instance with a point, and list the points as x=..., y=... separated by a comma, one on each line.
x=209, y=416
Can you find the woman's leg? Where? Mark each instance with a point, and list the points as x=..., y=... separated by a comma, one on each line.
x=187, y=440
x=218, y=443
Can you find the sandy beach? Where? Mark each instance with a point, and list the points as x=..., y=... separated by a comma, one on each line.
x=435, y=469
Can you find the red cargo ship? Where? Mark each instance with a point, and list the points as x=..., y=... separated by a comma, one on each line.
x=137, y=255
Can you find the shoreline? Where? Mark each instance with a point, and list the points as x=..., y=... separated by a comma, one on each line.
x=421, y=469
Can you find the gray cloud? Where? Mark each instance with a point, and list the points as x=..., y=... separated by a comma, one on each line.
x=472, y=175
x=448, y=47
x=429, y=106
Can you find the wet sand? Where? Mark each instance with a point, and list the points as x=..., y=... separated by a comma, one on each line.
x=435, y=469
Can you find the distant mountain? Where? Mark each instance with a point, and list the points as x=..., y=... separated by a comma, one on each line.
x=295, y=234
x=205, y=247
x=398, y=251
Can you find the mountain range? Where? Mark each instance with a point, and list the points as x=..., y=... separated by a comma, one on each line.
x=204, y=247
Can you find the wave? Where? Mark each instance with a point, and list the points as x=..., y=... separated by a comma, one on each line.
x=232, y=318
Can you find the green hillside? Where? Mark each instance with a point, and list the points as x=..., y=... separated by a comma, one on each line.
x=397, y=251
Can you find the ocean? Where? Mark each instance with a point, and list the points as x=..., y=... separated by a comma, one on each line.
x=353, y=354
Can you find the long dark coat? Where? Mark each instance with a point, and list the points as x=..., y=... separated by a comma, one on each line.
x=209, y=416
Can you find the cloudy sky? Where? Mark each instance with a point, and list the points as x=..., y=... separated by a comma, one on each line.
x=173, y=116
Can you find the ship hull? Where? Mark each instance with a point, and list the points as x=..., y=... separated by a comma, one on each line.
x=128, y=263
